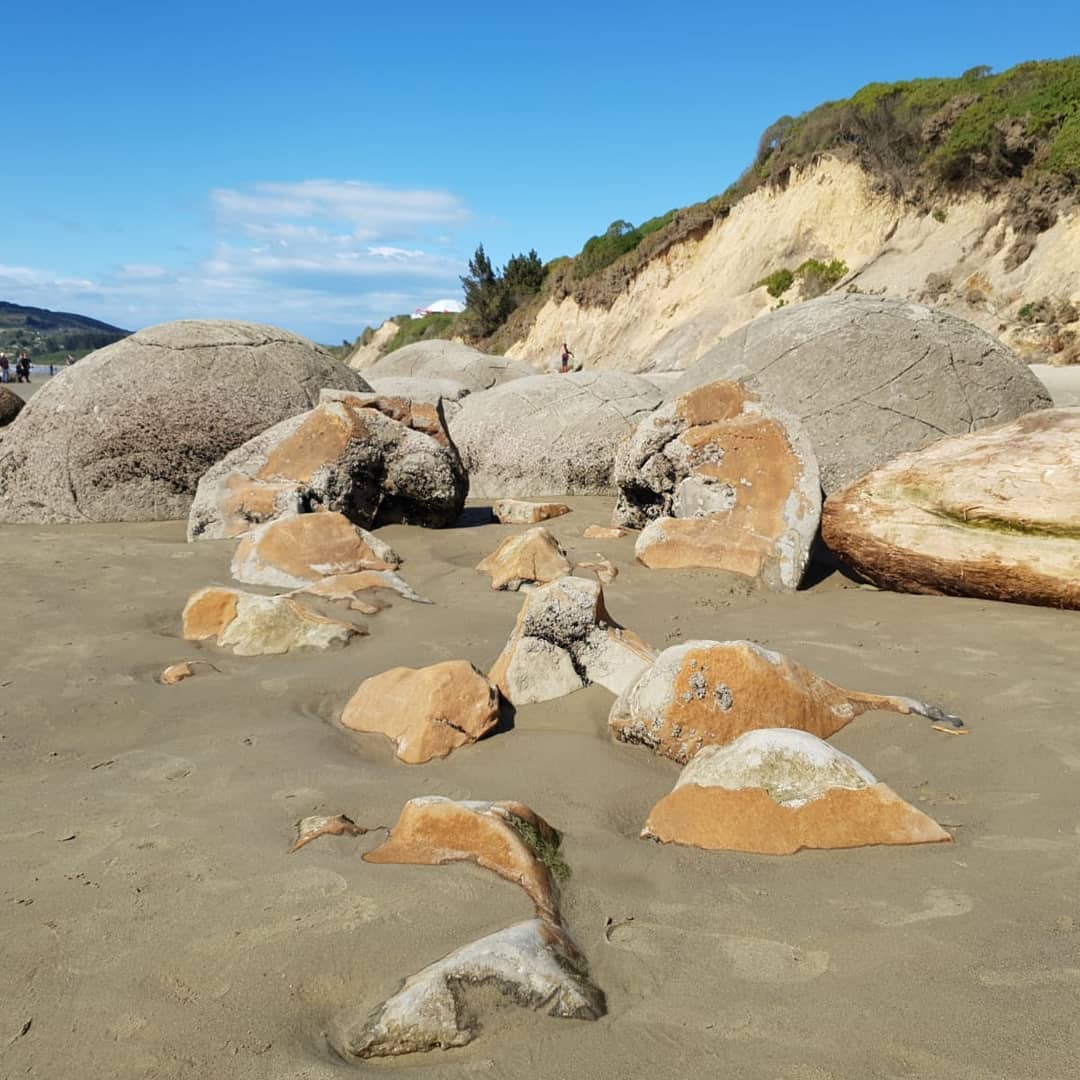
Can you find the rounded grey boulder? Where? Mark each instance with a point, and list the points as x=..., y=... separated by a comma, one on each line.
x=125, y=434
x=872, y=378
x=10, y=406
x=549, y=434
x=438, y=359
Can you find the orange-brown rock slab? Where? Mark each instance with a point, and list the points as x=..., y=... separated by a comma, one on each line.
x=604, y=532
x=208, y=612
x=533, y=557
x=428, y=712
x=751, y=821
x=520, y=512
x=708, y=693
x=993, y=514
x=175, y=673
x=292, y=552
x=434, y=830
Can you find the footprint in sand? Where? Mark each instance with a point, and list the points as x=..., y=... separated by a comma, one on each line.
x=937, y=904
x=153, y=765
x=754, y=959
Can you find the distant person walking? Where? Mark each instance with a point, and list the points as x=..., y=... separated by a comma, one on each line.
x=22, y=368
x=5, y=368
x=564, y=360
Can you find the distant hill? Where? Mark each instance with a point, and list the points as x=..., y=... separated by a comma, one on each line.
x=43, y=333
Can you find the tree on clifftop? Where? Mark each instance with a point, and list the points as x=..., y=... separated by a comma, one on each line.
x=486, y=300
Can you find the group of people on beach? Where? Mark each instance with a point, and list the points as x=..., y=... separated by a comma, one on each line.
x=20, y=364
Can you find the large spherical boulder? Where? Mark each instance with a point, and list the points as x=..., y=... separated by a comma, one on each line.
x=10, y=405
x=125, y=434
x=872, y=378
x=437, y=359
x=549, y=434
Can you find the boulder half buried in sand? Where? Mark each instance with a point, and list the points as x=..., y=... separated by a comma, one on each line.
x=253, y=625
x=534, y=963
x=507, y=838
x=871, y=378
x=717, y=478
x=126, y=433
x=293, y=552
x=533, y=557
x=565, y=640
x=994, y=514
x=10, y=406
x=439, y=359
x=375, y=460
x=708, y=693
x=428, y=712
x=776, y=791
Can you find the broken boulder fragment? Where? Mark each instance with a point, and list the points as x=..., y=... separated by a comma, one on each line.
x=253, y=625
x=376, y=460
x=520, y=512
x=428, y=712
x=507, y=838
x=718, y=478
x=707, y=693
x=533, y=557
x=565, y=640
x=776, y=791
x=294, y=552
x=534, y=963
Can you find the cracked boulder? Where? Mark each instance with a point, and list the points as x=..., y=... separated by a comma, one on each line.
x=507, y=838
x=375, y=460
x=533, y=557
x=549, y=435
x=10, y=405
x=565, y=640
x=295, y=552
x=717, y=478
x=253, y=625
x=872, y=378
x=126, y=433
x=534, y=964
x=995, y=514
x=775, y=791
x=708, y=693
x=428, y=712
x=438, y=359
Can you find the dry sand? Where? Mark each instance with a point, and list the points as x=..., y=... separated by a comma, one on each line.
x=154, y=927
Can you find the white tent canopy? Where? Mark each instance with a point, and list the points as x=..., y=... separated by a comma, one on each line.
x=453, y=307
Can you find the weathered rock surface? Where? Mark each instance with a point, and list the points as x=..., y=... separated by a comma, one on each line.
x=318, y=825
x=718, y=478
x=507, y=838
x=254, y=625
x=994, y=514
x=126, y=433
x=175, y=673
x=549, y=435
x=428, y=712
x=437, y=359
x=872, y=378
x=362, y=589
x=535, y=964
x=604, y=532
x=708, y=693
x=604, y=569
x=533, y=557
x=776, y=791
x=293, y=552
x=520, y=512
x=565, y=640
x=10, y=406
x=376, y=460
x=426, y=391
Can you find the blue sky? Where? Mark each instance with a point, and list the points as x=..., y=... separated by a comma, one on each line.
x=322, y=168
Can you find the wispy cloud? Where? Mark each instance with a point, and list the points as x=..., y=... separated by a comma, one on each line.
x=324, y=257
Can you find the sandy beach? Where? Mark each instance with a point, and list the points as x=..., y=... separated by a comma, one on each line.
x=154, y=926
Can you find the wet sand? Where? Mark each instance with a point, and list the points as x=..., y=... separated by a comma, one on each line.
x=153, y=926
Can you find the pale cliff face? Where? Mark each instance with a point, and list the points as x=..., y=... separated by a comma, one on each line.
x=701, y=290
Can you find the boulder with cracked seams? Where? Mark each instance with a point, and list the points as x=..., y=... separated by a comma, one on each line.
x=872, y=378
